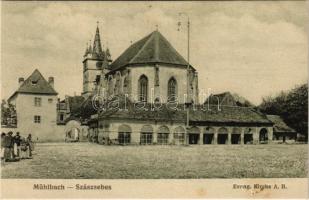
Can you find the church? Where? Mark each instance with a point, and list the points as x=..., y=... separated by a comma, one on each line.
x=150, y=95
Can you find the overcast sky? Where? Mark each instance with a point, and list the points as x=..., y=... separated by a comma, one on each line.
x=251, y=48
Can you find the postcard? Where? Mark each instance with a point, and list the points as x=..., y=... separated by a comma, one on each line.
x=154, y=99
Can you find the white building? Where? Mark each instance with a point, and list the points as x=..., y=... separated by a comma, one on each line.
x=35, y=101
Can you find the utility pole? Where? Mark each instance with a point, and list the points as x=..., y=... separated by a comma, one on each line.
x=188, y=102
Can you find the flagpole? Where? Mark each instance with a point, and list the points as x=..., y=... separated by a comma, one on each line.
x=187, y=103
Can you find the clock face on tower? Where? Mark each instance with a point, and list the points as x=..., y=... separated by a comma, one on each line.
x=99, y=64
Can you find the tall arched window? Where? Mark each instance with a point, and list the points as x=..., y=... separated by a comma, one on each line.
x=172, y=89
x=146, y=134
x=143, y=88
x=124, y=134
x=179, y=135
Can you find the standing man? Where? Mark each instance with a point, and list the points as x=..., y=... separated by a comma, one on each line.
x=17, y=141
x=8, y=147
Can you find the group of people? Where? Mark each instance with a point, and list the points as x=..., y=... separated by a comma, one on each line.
x=14, y=148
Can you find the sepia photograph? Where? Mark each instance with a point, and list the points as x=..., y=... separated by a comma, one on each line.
x=154, y=91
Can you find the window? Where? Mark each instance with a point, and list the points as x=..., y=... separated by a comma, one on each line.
x=110, y=85
x=146, y=134
x=61, y=117
x=172, y=89
x=143, y=88
x=37, y=119
x=97, y=79
x=50, y=100
x=34, y=82
x=162, y=138
x=179, y=138
x=179, y=135
x=37, y=101
x=124, y=138
x=163, y=134
x=146, y=138
x=124, y=134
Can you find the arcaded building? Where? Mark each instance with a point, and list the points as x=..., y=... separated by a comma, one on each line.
x=135, y=93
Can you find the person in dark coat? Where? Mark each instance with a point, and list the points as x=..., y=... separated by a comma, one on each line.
x=17, y=140
x=8, y=146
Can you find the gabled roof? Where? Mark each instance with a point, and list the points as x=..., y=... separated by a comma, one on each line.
x=36, y=84
x=229, y=99
x=153, y=48
x=229, y=114
x=226, y=114
x=279, y=125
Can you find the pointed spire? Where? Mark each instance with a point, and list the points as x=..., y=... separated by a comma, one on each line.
x=90, y=47
x=97, y=47
x=87, y=50
x=108, y=55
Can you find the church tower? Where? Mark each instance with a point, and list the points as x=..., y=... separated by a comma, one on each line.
x=95, y=61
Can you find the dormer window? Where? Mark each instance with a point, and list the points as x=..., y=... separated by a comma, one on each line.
x=34, y=82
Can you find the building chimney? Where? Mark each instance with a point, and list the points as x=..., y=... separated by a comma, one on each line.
x=21, y=81
x=51, y=81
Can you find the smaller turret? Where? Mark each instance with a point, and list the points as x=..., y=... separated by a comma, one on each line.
x=90, y=48
x=86, y=51
x=108, y=55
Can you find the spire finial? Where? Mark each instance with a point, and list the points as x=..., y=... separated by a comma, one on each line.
x=157, y=27
x=98, y=23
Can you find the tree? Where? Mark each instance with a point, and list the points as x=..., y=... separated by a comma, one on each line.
x=8, y=114
x=4, y=112
x=292, y=106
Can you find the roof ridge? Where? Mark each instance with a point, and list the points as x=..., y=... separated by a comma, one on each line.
x=156, y=46
x=172, y=48
x=143, y=47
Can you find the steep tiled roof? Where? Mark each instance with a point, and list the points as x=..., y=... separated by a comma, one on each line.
x=36, y=84
x=133, y=113
x=226, y=114
x=153, y=48
x=227, y=98
x=279, y=125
